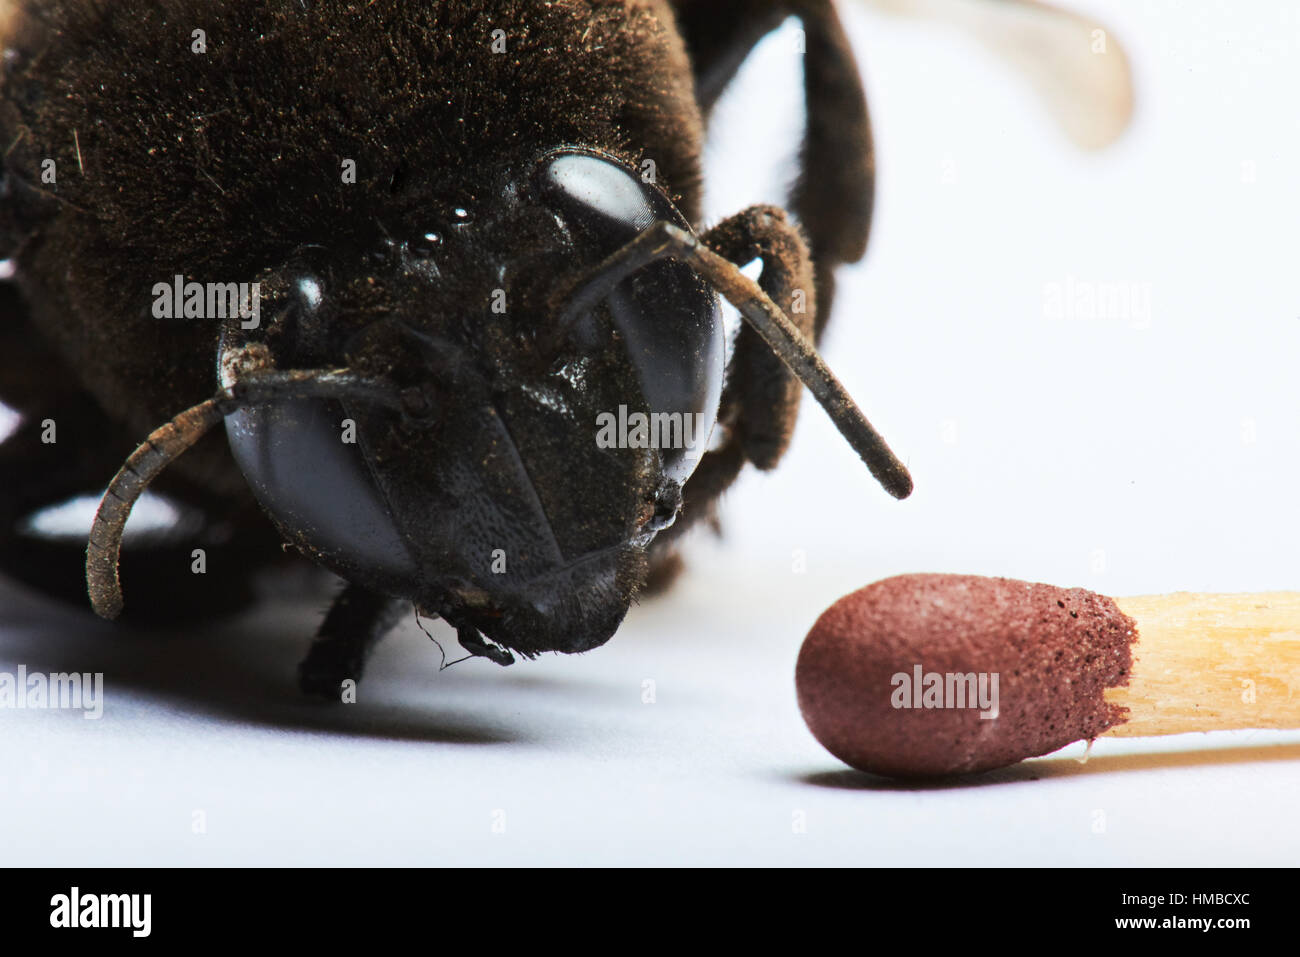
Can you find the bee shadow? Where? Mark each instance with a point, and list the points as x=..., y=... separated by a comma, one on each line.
x=241, y=669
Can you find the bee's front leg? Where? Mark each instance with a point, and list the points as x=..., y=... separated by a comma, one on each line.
x=763, y=392
x=472, y=640
x=833, y=195
x=356, y=622
x=762, y=397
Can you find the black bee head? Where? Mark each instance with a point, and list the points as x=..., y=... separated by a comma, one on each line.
x=532, y=451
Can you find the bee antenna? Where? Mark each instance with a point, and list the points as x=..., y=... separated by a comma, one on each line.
x=665, y=240
x=166, y=443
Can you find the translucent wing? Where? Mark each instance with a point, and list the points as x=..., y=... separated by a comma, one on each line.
x=1077, y=66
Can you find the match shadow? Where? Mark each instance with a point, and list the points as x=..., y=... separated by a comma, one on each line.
x=1191, y=758
x=1035, y=769
x=847, y=779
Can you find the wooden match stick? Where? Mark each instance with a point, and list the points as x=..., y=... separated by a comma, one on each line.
x=1211, y=662
x=926, y=675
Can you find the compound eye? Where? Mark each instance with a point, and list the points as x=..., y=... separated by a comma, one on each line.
x=667, y=317
x=319, y=487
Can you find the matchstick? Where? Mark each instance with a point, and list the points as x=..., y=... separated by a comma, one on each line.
x=1211, y=662
x=925, y=675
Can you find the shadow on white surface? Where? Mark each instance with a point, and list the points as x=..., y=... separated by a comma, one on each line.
x=241, y=670
x=1038, y=769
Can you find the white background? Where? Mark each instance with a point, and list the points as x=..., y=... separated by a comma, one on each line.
x=1126, y=456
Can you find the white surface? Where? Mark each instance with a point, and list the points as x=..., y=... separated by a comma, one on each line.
x=1124, y=456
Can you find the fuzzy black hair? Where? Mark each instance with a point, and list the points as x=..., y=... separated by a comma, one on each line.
x=221, y=162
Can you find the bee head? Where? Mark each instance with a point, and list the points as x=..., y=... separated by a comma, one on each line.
x=533, y=450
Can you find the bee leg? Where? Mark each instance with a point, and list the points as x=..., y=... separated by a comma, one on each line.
x=833, y=194
x=356, y=622
x=761, y=401
x=65, y=446
x=782, y=335
x=62, y=449
x=719, y=36
x=665, y=566
x=37, y=476
x=473, y=641
x=773, y=357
